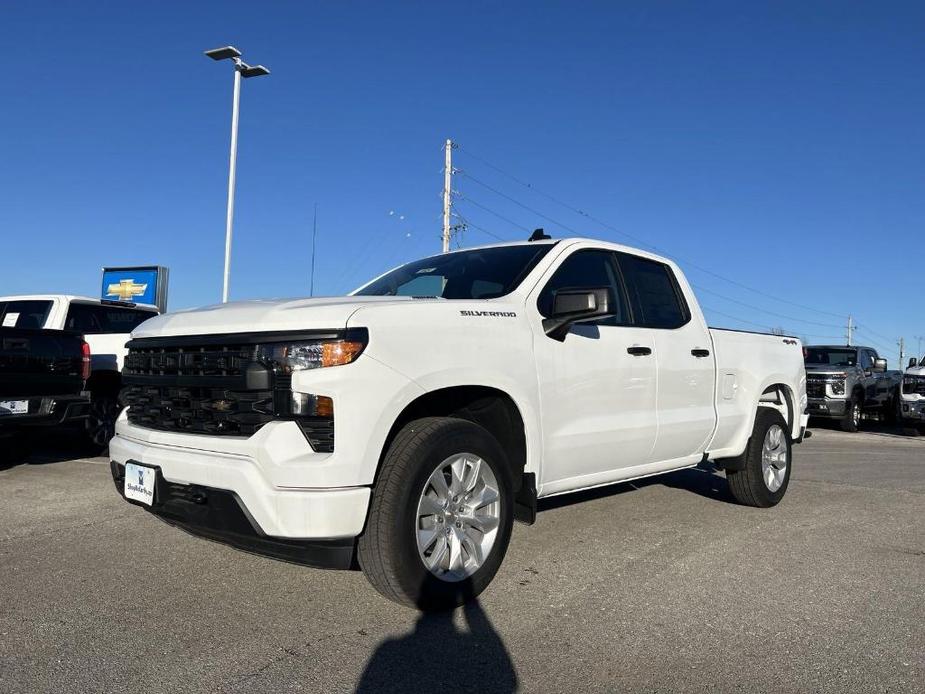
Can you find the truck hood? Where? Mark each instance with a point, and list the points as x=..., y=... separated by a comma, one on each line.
x=828, y=369
x=323, y=313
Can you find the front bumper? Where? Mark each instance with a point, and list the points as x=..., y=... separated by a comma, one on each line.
x=219, y=515
x=826, y=407
x=913, y=410
x=264, y=472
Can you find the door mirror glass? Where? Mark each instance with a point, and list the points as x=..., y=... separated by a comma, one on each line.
x=879, y=366
x=572, y=306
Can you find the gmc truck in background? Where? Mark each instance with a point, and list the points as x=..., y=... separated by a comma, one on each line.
x=403, y=428
x=106, y=326
x=42, y=376
x=845, y=382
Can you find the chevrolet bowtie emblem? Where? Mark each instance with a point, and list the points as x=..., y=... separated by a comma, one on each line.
x=126, y=289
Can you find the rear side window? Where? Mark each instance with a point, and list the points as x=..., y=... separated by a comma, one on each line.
x=654, y=294
x=92, y=319
x=588, y=269
x=30, y=313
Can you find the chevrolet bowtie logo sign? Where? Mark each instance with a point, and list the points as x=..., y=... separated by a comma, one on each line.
x=126, y=289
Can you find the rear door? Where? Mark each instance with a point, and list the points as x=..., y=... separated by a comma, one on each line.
x=686, y=365
x=597, y=386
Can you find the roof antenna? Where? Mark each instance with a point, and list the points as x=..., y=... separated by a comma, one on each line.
x=539, y=235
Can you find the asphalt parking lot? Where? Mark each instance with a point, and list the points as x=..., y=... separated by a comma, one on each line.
x=662, y=585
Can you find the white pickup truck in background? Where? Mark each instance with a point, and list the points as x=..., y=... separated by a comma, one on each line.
x=403, y=428
x=106, y=326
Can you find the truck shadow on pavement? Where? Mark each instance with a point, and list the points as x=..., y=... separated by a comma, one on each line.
x=439, y=657
x=43, y=448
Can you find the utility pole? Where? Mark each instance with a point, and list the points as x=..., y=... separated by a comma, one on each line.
x=447, y=194
x=851, y=330
x=902, y=352
x=311, y=289
x=918, y=347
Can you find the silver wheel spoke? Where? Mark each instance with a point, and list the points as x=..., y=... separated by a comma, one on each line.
x=430, y=506
x=435, y=561
x=484, y=524
x=483, y=497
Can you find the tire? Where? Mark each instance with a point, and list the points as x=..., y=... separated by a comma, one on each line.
x=751, y=485
x=100, y=425
x=892, y=411
x=14, y=448
x=851, y=420
x=389, y=549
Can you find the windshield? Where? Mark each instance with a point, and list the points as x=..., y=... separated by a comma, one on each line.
x=831, y=356
x=29, y=313
x=483, y=273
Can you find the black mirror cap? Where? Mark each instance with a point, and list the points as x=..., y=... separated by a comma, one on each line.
x=879, y=366
x=913, y=362
x=572, y=306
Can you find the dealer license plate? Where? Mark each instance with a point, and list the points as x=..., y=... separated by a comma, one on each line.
x=139, y=483
x=14, y=407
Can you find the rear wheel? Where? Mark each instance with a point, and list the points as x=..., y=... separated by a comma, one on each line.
x=100, y=425
x=441, y=515
x=765, y=475
x=851, y=421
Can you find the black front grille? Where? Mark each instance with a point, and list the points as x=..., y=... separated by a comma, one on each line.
x=199, y=410
x=214, y=389
x=815, y=388
x=914, y=386
x=206, y=360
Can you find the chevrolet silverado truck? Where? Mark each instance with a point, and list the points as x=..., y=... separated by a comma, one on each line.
x=403, y=428
x=42, y=376
x=845, y=382
x=913, y=395
x=106, y=326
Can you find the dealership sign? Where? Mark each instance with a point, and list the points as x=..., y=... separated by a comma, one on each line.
x=138, y=285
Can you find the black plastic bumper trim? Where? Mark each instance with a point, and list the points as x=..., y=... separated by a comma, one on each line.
x=219, y=515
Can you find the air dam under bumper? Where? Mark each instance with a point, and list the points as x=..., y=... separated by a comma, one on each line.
x=217, y=514
x=913, y=410
x=277, y=513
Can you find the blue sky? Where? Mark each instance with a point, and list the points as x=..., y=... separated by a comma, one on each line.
x=778, y=145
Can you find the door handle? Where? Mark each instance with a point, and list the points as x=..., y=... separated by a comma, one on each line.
x=639, y=351
x=700, y=353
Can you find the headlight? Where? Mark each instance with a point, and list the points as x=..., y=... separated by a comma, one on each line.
x=288, y=357
x=838, y=387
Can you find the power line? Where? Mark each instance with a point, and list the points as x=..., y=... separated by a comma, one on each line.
x=491, y=211
x=467, y=224
x=621, y=232
x=765, y=327
x=764, y=310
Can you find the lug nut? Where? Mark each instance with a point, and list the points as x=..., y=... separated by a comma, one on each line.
x=439, y=519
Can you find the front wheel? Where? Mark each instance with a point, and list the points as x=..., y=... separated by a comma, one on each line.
x=441, y=515
x=764, y=478
x=851, y=421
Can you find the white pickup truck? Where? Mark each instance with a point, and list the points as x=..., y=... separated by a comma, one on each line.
x=403, y=428
x=912, y=398
x=106, y=326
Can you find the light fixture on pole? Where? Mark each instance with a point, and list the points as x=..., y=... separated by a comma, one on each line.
x=241, y=69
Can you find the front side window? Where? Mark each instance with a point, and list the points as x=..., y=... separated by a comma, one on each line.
x=27, y=313
x=93, y=319
x=654, y=294
x=482, y=273
x=589, y=269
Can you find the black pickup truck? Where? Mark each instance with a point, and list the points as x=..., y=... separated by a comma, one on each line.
x=42, y=376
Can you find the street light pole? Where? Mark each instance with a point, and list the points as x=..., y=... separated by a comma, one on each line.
x=241, y=71
x=232, y=169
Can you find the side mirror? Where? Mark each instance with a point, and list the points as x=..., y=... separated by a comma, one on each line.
x=572, y=306
x=879, y=366
x=913, y=362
